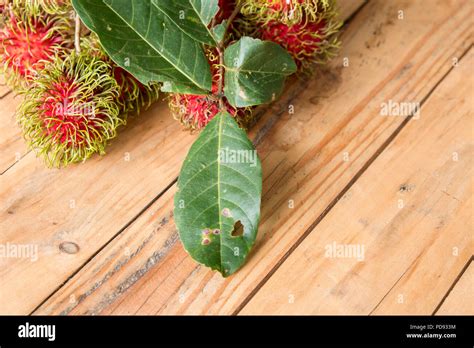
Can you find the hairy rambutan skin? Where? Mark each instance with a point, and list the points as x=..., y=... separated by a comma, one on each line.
x=307, y=29
x=307, y=43
x=285, y=11
x=28, y=42
x=134, y=97
x=71, y=110
x=194, y=112
x=38, y=7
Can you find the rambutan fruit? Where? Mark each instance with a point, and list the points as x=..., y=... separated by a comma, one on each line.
x=134, y=96
x=194, y=112
x=238, y=27
x=307, y=29
x=28, y=42
x=284, y=11
x=226, y=7
x=38, y=7
x=71, y=110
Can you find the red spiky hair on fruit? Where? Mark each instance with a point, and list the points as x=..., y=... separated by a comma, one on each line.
x=307, y=29
x=194, y=112
x=28, y=41
x=70, y=112
x=134, y=96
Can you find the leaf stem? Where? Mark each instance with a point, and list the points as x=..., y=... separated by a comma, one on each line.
x=220, y=51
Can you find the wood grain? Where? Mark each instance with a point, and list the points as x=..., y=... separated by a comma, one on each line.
x=303, y=161
x=12, y=145
x=460, y=300
x=409, y=216
x=83, y=206
x=3, y=87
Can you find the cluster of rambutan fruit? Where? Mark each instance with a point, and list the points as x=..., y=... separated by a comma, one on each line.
x=75, y=97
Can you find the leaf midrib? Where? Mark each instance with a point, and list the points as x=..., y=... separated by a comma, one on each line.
x=204, y=24
x=219, y=134
x=149, y=44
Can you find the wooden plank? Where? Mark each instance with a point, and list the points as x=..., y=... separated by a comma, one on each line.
x=348, y=7
x=402, y=233
x=86, y=205
x=303, y=162
x=12, y=145
x=3, y=87
x=460, y=300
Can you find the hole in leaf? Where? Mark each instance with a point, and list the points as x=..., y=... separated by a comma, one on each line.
x=238, y=229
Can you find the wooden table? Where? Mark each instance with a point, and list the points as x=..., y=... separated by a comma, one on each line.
x=339, y=177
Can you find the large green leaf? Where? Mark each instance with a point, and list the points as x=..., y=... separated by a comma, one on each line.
x=207, y=9
x=191, y=16
x=219, y=188
x=255, y=71
x=143, y=40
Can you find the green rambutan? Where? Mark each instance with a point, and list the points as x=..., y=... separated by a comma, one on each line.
x=71, y=110
x=29, y=41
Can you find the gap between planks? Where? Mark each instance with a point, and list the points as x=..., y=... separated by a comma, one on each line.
x=285, y=278
x=455, y=283
x=349, y=10
x=343, y=192
x=408, y=69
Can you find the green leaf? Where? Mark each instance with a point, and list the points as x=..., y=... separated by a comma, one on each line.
x=207, y=9
x=192, y=16
x=219, y=187
x=255, y=71
x=143, y=40
x=173, y=87
x=219, y=31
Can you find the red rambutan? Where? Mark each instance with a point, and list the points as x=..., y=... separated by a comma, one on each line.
x=194, y=112
x=285, y=11
x=305, y=28
x=134, y=96
x=71, y=110
x=37, y=7
x=28, y=41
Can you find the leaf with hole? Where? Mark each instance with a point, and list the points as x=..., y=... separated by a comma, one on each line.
x=255, y=71
x=217, y=206
x=146, y=42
